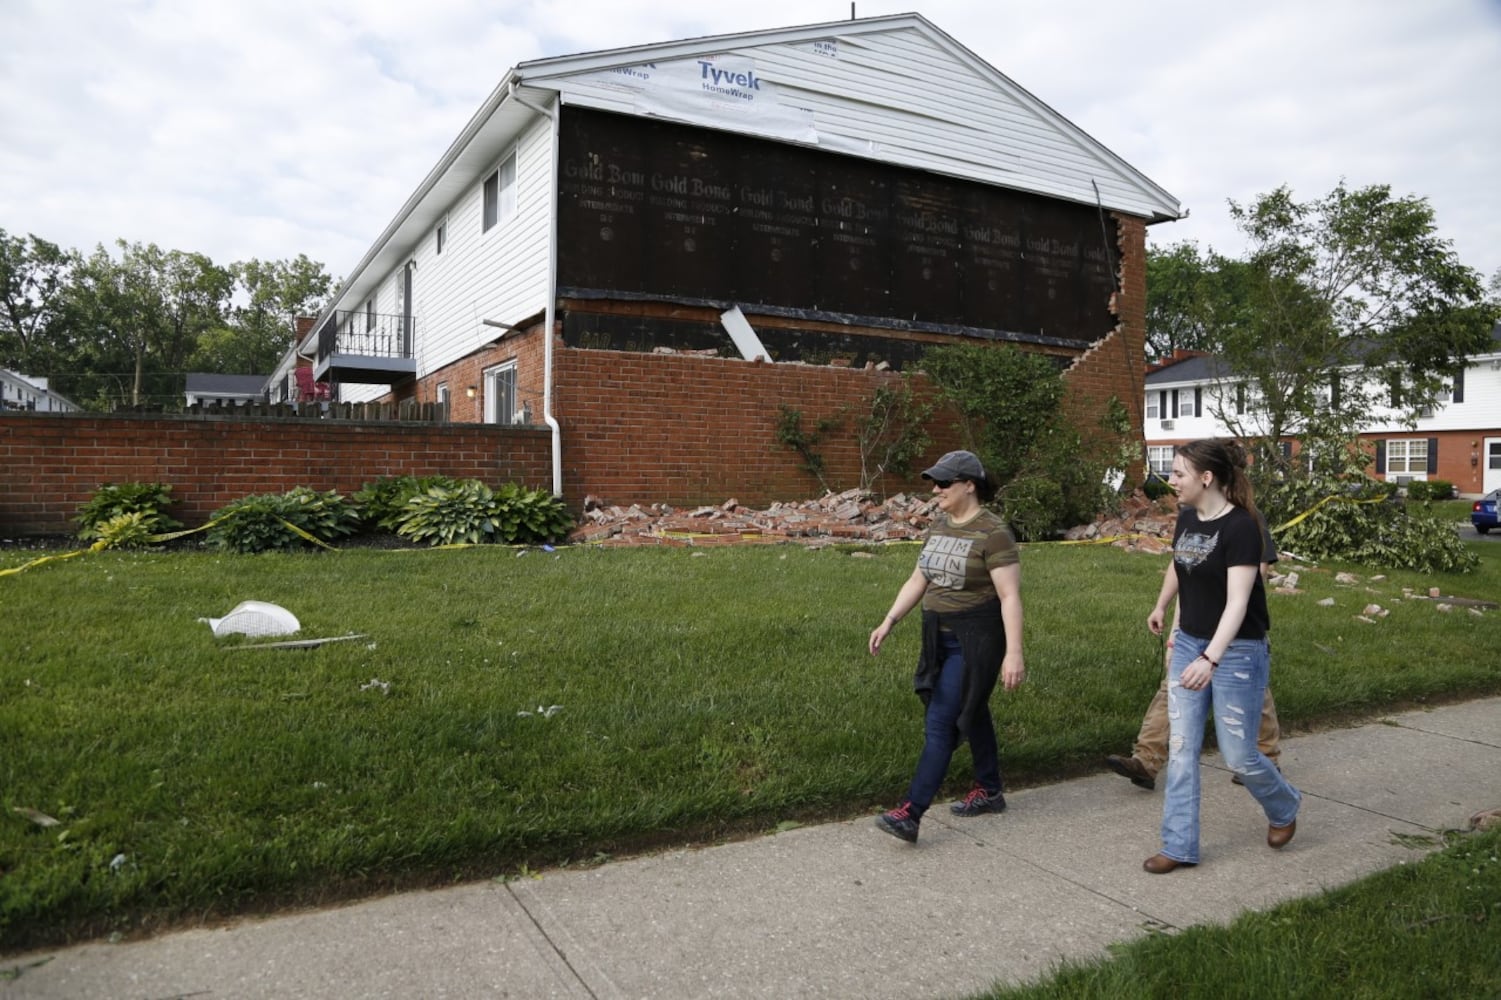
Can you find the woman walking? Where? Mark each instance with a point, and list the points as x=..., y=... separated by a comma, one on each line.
x=1219, y=647
x=968, y=581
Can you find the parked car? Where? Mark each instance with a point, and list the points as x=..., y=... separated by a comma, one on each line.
x=1483, y=513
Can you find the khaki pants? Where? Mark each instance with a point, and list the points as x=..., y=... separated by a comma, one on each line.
x=1151, y=741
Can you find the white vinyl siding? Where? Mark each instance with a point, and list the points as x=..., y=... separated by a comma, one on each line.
x=904, y=95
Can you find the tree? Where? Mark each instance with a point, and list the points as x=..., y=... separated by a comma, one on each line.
x=275, y=294
x=144, y=312
x=1010, y=404
x=34, y=276
x=1175, y=298
x=1343, y=305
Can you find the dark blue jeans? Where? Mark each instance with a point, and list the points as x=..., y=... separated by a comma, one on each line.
x=941, y=735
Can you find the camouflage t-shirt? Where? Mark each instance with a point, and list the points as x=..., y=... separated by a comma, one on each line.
x=957, y=560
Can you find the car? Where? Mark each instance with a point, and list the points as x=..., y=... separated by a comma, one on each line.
x=1483, y=512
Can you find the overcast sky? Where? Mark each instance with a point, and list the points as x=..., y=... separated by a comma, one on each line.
x=269, y=128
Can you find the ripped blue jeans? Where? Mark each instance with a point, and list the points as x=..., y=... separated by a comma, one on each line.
x=1235, y=693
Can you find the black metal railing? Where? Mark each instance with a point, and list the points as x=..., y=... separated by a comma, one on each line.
x=366, y=334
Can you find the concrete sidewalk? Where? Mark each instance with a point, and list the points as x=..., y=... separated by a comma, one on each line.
x=843, y=910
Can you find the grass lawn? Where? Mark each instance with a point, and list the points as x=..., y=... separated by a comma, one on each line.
x=515, y=707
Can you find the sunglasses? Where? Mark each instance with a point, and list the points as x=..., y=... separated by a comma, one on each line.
x=944, y=484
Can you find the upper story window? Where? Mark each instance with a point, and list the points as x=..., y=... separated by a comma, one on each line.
x=440, y=236
x=500, y=194
x=1154, y=405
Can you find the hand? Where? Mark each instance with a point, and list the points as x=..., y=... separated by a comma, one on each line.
x=1013, y=671
x=1197, y=675
x=1155, y=620
x=879, y=633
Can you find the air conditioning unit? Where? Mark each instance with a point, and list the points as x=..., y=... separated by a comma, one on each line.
x=1167, y=425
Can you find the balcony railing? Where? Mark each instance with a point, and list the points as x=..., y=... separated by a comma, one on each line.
x=358, y=346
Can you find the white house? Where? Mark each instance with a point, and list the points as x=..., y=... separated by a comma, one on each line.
x=865, y=181
x=1458, y=439
x=29, y=392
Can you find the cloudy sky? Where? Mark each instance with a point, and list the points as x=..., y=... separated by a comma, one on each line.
x=269, y=128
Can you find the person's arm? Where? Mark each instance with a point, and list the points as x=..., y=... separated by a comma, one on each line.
x=906, y=599
x=1239, y=581
x=1008, y=587
x=1165, y=596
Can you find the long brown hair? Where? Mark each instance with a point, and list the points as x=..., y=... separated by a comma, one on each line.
x=1225, y=460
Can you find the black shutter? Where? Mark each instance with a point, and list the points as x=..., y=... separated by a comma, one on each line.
x=1198, y=402
x=1459, y=386
x=1432, y=456
x=1380, y=458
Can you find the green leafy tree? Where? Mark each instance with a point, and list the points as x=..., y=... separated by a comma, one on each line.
x=1343, y=305
x=147, y=309
x=1175, y=299
x=1009, y=403
x=34, y=278
x=271, y=295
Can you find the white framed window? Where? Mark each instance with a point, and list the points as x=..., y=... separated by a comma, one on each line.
x=1154, y=405
x=500, y=194
x=1407, y=457
x=442, y=399
x=1160, y=458
x=440, y=236
x=500, y=394
x=1186, y=406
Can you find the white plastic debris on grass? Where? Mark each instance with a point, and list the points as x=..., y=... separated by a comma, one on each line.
x=546, y=713
x=255, y=618
x=376, y=684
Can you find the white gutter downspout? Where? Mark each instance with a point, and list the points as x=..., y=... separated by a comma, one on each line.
x=550, y=316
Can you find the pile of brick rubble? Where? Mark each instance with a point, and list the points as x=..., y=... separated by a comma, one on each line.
x=853, y=516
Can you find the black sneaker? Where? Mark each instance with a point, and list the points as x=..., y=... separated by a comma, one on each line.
x=900, y=823
x=979, y=801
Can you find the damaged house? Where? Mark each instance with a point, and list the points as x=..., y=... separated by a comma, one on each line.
x=646, y=253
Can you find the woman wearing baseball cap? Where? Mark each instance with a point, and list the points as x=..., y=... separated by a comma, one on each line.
x=968, y=582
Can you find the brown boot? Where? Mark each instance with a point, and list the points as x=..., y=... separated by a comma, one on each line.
x=1133, y=768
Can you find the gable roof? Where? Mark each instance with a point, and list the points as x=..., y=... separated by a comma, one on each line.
x=895, y=89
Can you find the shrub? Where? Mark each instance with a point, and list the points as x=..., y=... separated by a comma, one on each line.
x=382, y=502
x=524, y=516
x=1155, y=487
x=267, y=521
x=471, y=512
x=127, y=531
x=112, y=500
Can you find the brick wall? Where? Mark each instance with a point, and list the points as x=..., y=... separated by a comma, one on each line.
x=54, y=462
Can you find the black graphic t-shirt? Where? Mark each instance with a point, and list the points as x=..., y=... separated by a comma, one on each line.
x=1203, y=552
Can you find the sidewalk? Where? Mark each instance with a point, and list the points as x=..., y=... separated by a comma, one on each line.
x=843, y=910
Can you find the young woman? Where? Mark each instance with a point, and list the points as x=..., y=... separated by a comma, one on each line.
x=969, y=584
x=1219, y=647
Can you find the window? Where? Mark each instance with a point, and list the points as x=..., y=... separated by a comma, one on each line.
x=1406, y=458
x=1185, y=402
x=1160, y=459
x=440, y=236
x=500, y=394
x=369, y=315
x=500, y=194
x=1154, y=405
x=443, y=399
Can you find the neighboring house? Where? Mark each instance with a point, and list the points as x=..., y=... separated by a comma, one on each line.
x=1458, y=440
x=209, y=389
x=851, y=193
x=29, y=392
x=293, y=381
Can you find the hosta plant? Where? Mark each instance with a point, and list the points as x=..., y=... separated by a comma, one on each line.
x=266, y=521
x=111, y=500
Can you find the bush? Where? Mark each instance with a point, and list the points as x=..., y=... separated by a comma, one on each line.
x=1155, y=487
x=471, y=512
x=382, y=502
x=1432, y=489
x=269, y=521
x=110, y=501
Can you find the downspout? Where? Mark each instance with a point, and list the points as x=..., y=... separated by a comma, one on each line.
x=550, y=315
